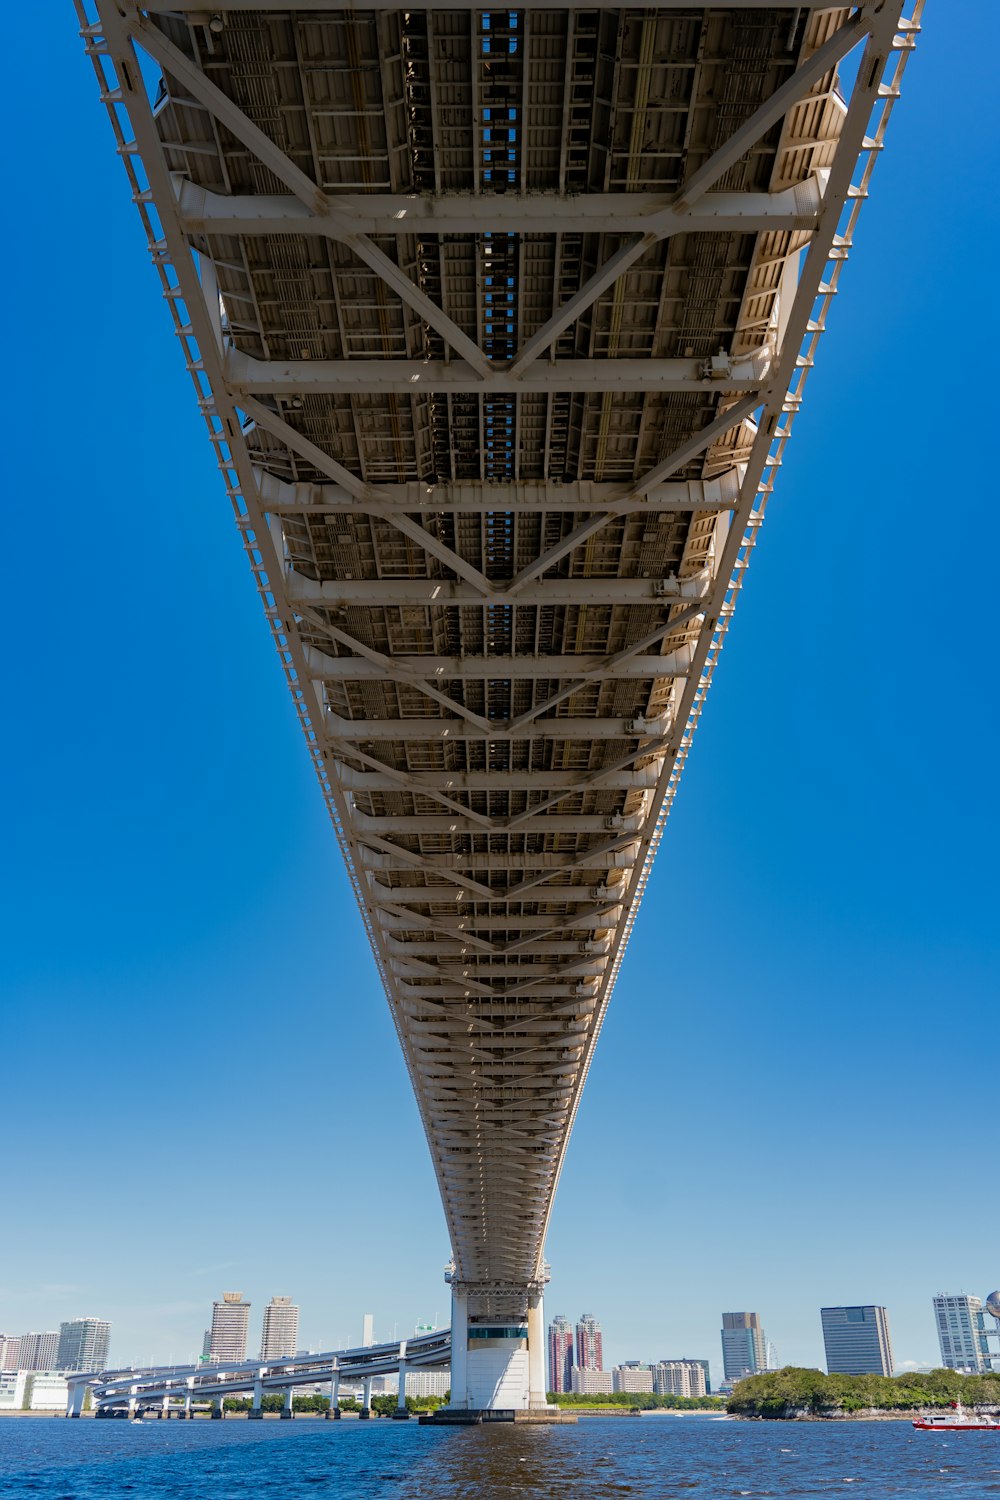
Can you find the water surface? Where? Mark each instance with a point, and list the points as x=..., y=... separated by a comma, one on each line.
x=690, y=1458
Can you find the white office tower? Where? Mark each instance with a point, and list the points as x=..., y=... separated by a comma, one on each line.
x=10, y=1348
x=961, y=1331
x=230, y=1321
x=281, y=1329
x=368, y=1331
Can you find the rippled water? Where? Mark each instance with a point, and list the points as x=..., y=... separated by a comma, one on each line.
x=660, y=1457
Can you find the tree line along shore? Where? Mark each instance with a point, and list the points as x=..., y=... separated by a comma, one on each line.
x=793, y=1392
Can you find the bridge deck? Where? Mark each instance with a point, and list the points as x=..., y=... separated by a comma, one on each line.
x=500, y=322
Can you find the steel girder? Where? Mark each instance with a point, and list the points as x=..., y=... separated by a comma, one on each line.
x=498, y=459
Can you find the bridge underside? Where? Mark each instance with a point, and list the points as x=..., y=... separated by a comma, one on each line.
x=499, y=321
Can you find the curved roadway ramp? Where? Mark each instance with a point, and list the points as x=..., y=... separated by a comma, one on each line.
x=176, y=1390
x=499, y=321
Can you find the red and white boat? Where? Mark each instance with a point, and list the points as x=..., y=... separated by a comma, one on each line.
x=956, y=1419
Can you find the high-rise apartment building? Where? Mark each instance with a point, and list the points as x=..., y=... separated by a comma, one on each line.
x=591, y=1382
x=230, y=1321
x=83, y=1344
x=10, y=1348
x=857, y=1340
x=589, y=1343
x=681, y=1377
x=38, y=1351
x=560, y=1354
x=281, y=1329
x=961, y=1331
x=632, y=1378
x=744, y=1347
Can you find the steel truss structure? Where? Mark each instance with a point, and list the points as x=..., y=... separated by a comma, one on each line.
x=499, y=321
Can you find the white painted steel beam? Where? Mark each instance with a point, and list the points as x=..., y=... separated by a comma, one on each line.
x=204, y=212
x=246, y=376
x=437, y=592
x=414, y=730
x=498, y=668
x=282, y=498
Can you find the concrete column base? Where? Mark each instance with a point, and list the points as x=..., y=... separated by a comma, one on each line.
x=401, y=1414
x=286, y=1415
x=217, y=1414
x=364, y=1414
x=334, y=1415
x=452, y=1417
x=255, y=1416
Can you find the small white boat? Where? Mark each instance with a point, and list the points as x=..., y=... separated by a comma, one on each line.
x=955, y=1419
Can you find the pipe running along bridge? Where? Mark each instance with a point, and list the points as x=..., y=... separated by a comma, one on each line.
x=499, y=321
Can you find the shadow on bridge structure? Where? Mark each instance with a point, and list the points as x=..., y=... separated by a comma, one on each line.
x=499, y=322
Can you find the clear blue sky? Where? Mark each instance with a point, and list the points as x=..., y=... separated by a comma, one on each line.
x=794, y=1099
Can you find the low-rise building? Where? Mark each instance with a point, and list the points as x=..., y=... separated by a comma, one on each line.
x=680, y=1377
x=45, y=1391
x=591, y=1382
x=633, y=1378
x=12, y=1384
x=428, y=1382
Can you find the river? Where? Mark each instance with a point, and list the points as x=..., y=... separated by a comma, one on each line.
x=691, y=1458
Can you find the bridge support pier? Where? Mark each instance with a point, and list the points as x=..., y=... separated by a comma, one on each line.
x=401, y=1414
x=497, y=1364
x=537, y=1397
x=218, y=1409
x=366, y=1401
x=333, y=1415
x=287, y=1411
x=74, y=1398
x=256, y=1412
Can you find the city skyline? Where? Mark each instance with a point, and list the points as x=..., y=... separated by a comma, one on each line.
x=852, y=1336
x=175, y=905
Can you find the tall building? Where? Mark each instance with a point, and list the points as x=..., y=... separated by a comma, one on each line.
x=589, y=1343
x=744, y=1347
x=961, y=1331
x=83, y=1344
x=681, y=1377
x=857, y=1340
x=38, y=1351
x=633, y=1378
x=230, y=1320
x=281, y=1329
x=10, y=1348
x=560, y=1354
x=591, y=1382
